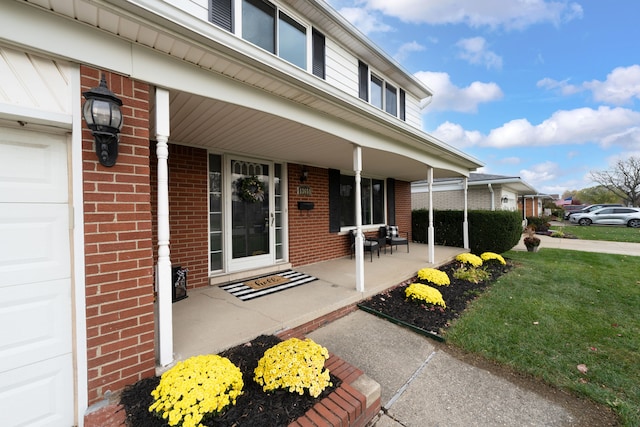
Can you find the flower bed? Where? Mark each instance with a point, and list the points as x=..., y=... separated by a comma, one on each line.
x=253, y=407
x=431, y=319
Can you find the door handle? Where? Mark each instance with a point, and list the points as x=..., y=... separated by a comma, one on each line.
x=273, y=219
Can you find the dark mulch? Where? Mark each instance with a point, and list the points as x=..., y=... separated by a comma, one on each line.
x=457, y=295
x=253, y=408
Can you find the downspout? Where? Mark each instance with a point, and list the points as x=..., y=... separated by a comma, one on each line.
x=493, y=202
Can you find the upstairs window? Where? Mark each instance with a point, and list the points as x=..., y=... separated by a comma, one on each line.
x=292, y=41
x=259, y=24
x=380, y=93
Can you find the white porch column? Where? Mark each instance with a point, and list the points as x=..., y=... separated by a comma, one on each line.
x=164, y=310
x=465, y=222
x=431, y=232
x=359, y=241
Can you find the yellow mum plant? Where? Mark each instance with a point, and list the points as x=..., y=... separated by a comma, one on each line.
x=423, y=293
x=488, y=256
x=294, y=365
x=471, y=259
x=199, y=386
x=434, y=276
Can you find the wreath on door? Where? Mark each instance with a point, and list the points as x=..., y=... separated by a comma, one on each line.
x=251, y=189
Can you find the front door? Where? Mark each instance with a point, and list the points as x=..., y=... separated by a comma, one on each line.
x=252, y=214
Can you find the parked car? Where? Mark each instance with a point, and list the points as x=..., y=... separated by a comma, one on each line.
x=569, y=209
x=590, y=208
x=610, y=216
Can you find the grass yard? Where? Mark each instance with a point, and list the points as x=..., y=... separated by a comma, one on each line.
x=602, y=232
x=558, y=313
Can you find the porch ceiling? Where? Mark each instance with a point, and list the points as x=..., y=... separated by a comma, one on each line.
x=223, y=127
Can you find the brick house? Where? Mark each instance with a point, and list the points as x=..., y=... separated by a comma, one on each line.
x=482, y=192
x=238, y=153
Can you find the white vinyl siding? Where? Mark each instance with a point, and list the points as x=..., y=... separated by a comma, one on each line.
x=414, y=116
x=342, y=68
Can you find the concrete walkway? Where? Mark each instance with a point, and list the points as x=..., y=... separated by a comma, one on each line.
x=422, y=385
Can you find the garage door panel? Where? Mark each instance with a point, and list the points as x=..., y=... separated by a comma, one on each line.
x=34, y=243
x=33, y=166
x=40, y=319
x=38, y=394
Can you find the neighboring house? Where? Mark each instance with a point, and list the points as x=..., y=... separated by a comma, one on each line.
x=226, y=130
x=483, y=192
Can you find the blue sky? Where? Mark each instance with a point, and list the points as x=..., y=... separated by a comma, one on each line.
x=544, y=90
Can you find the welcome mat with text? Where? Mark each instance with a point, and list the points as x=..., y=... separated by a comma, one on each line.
x=254, y=288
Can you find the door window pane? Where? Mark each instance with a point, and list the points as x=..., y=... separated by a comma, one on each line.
x=292, y=41
x=258, y=24
x=215, y=212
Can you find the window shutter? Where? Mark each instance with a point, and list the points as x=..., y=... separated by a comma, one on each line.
x=391, y=201
x=403, y=106
x=318, y=53
x=334, y=200
x=220, y=13
x=363, y=81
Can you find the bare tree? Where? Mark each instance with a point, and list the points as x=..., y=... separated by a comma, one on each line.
x=623, y=179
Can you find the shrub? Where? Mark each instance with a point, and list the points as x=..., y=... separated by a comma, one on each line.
x=196, y=387
x=294, y=365
x=491, y=256
x=434, y=276
x=423, y=293
x=471, y=274
x=496, y=231
x=471, y=259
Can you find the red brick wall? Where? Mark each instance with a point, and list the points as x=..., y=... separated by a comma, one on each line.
x=188, y=211
x=403, y=206
x=309, y=238
x=118, y=253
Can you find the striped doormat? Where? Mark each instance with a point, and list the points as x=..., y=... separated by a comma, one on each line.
x=247, y=289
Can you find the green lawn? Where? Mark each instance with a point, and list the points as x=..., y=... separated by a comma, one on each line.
x=602, y=232
x=559, y=309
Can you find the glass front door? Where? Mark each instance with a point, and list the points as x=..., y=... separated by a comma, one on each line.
x=252, y=216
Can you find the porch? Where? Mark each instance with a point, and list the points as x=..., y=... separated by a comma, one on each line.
x=211, y=319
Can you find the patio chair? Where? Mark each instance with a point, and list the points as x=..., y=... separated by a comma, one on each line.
x=368, y=245
x=394, y=238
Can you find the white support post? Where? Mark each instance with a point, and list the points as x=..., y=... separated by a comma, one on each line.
x=465, y=222
x=164, y=310
x=359, y=240
x=431, y=233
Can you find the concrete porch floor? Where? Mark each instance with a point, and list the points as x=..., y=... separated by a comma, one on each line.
x=211, y=320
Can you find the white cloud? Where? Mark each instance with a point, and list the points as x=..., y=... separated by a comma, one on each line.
x=621, y=86
x=406, y=49
x=453, y=134
x=449, y=97
x=539, y=173
x=563, y=86
x=605, y=126
x=509, y=14
x=475, y=51
x=365, y=20
x=566, y=127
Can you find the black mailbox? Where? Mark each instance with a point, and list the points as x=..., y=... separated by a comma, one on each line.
x=305, y=206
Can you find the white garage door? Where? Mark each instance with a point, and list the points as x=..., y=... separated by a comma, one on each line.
x=36, y=360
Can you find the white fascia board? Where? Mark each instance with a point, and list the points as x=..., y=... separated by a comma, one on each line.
x=23, y=25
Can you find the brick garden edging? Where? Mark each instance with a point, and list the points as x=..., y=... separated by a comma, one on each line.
x=346, y=406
